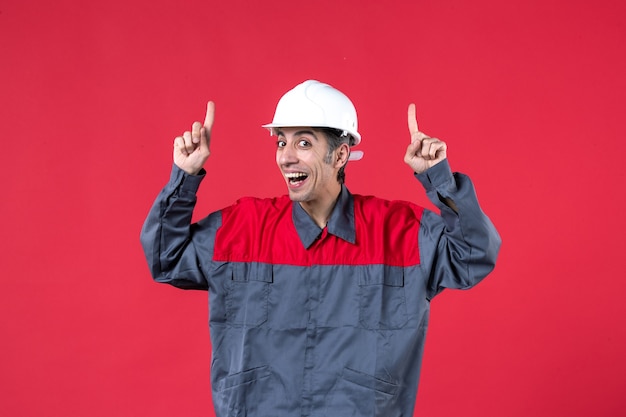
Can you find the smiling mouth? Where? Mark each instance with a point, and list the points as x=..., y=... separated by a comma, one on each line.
x=296, y=177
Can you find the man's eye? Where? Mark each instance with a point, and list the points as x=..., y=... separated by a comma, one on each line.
x=304, y=143
x=280, y=143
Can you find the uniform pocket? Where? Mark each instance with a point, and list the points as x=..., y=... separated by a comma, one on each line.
x=247, y=294
x=358, y=393
x=382, y=297
x=244, y=393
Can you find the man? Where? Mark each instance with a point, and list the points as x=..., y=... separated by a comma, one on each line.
x=319, y=300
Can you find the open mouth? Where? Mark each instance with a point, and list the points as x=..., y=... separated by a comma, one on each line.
x=296, y=178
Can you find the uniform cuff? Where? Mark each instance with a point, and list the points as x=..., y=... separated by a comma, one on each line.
x=436, y=176
x=180, y=179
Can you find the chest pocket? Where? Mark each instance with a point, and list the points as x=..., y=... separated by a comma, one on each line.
x=382, y=300
x=247, y=294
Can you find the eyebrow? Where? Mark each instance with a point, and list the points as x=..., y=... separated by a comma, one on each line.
x=299, y=133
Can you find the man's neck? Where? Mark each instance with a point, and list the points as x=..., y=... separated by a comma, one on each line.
x=321, y=210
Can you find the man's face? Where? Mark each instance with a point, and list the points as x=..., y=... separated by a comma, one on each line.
x=301, y=156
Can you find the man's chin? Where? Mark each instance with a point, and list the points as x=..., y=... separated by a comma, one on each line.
x=297, y=196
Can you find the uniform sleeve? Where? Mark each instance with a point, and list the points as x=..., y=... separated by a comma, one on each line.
x=459, y=248
x=178, y=251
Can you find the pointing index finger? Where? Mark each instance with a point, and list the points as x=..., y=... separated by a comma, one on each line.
x=210, y=116
x=412, y=119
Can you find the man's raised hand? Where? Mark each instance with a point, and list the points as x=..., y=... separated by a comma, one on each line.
x=423, y=152
x=191, y=150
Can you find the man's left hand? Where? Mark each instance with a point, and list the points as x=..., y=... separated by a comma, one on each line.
x=423, y=152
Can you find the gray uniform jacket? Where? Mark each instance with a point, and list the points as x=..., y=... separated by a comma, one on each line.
x=318, y=322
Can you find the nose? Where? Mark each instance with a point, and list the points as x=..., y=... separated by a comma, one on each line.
x=286, y=155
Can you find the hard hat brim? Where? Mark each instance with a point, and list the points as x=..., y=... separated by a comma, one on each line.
x=271, y=126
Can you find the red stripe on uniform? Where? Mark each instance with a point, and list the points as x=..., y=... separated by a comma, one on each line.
x=262, y=230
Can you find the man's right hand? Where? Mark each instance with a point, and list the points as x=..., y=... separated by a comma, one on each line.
x=191, y=150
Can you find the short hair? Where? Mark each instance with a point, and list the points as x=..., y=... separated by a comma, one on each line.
x=335, y=139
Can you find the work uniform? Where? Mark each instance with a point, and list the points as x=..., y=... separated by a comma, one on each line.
x=330, y=322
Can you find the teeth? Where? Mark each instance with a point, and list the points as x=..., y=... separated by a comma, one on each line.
x=295, y=175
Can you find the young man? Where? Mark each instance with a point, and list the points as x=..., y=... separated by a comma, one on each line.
x=319, y=300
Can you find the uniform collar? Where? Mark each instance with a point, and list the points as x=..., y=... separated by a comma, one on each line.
x=340, y=224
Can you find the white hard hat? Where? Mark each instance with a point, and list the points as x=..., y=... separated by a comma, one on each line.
x=315, y=104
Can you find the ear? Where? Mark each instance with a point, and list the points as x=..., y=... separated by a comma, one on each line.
x=342, y=154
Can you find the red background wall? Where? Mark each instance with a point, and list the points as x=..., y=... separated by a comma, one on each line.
x=529, y=96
